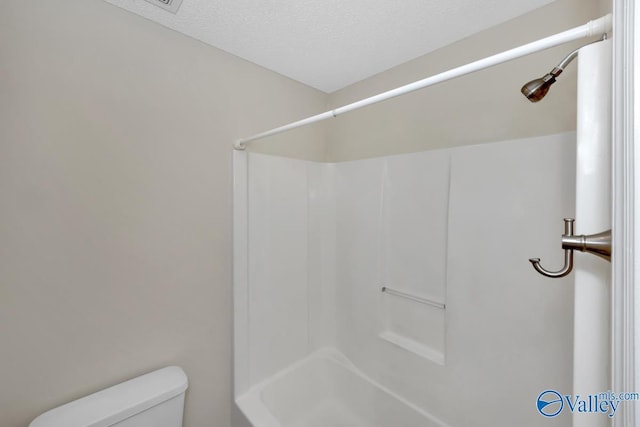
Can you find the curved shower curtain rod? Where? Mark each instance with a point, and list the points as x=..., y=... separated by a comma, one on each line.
x=596, y=27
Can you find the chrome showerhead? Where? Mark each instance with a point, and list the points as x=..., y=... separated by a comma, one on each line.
x=536, y=89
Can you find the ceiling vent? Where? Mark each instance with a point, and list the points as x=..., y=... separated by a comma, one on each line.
x=170, y=5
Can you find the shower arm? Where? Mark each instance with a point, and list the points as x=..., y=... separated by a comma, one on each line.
x=558, y=69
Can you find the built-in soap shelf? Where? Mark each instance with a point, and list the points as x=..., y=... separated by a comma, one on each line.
x=414, y=323
x=413, y=346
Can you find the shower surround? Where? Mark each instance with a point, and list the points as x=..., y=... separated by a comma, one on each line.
x=466, y=334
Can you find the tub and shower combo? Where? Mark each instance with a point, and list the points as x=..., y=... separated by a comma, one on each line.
x=396, y=291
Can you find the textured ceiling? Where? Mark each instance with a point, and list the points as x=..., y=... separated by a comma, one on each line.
x=331, y=44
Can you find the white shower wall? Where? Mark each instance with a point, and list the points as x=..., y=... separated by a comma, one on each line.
x=455, y=226
x=291, y=242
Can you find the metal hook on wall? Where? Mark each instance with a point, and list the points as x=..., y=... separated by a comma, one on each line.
x=598, y=244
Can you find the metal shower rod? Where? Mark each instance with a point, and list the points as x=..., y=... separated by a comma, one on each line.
x=593, y=28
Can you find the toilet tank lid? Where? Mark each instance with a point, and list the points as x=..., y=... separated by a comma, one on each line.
x=119, y=402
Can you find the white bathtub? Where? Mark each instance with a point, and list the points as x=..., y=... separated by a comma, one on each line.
x=326, y=390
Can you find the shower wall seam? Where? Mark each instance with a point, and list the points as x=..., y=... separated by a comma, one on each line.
x=446, y=251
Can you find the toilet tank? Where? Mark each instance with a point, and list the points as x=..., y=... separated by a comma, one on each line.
x=152, y=400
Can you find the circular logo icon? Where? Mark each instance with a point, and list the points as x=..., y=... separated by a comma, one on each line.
x=550, y=403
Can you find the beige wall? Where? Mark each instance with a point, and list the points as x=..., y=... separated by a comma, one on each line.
x=115, y=201
x=482, y=107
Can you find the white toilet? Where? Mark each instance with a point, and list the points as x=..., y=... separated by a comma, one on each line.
x=152, y=400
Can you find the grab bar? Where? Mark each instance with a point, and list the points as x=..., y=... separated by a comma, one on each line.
x=415, y=298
